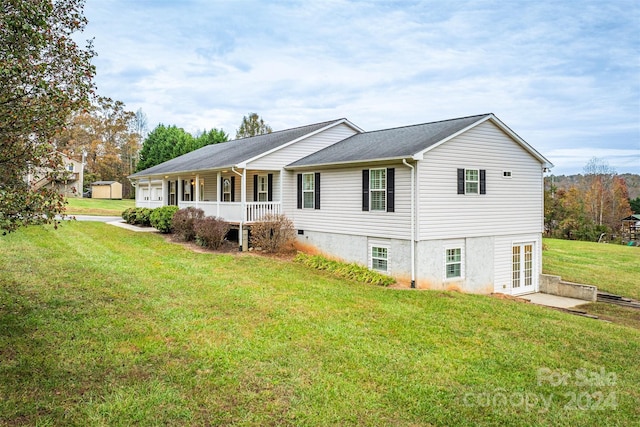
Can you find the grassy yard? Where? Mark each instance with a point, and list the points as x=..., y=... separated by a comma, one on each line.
x=612, y=268
x=77, y=206
x=103, y=326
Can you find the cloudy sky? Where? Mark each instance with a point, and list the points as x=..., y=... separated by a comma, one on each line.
x=564, y=75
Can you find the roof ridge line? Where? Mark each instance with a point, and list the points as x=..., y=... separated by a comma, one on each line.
x=430, y=123
x=294, y=128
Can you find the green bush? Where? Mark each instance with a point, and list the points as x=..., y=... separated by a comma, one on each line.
x=183, y=221
x=143, y=217
x=127, y=214
x=161, y=218
x=137, y=216
x=350, y=271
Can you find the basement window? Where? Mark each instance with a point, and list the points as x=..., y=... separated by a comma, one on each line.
x=453, y=263
x=380, y=259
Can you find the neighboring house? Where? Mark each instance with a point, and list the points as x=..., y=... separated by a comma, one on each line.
x=106, y=190
x=68, y=182
x=455, y=204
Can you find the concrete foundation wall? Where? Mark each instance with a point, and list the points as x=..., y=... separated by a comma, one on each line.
x=478, y=275
x=352, y=248
x=553, y=285
x=478, y=256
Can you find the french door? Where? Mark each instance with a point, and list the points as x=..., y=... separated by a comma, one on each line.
x=523, y=278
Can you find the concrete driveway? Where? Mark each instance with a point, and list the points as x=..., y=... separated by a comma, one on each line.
x=96, y=218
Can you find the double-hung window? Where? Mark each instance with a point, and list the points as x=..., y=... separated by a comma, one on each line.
x=308, y=190
x=453, y=263
x=379, y=258
x=226, y=190
x=263, y=188
x=472, y=181
x=378, y=189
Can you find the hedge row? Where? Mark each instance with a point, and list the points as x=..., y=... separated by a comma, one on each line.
x=159, y=218
x=344, y=270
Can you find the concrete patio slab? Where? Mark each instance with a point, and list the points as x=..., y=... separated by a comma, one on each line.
x=553, y=300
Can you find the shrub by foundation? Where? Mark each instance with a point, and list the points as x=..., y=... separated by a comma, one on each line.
x=210, y=231
x=138, y=216
x=183, y=222
x=161, y=218
x=273, y=233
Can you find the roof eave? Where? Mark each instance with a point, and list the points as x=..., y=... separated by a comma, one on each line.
x=349, y=162
x=185, y=172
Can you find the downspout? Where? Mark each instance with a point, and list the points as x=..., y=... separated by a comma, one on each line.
x=242, y=200
x=219, y=193
x=413, y=224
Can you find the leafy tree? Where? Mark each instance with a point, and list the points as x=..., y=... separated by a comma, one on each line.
x=606, y=194
x=553, y=208
x=167, y=142
x=635, y=205
x=162, y=144
x=594, y=204
x=599, y=180
x=106, y=134
x=251, y=126
x=214, y=136
x=44, y=77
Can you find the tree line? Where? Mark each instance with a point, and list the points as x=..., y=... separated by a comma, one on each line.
x=114, y=143
x=591, y=208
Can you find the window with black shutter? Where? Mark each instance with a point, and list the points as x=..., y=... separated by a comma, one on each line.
x=378, y=190
x=472, y=181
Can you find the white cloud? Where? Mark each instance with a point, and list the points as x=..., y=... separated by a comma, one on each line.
x=562, y=75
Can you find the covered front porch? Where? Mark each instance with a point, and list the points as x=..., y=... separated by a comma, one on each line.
x=237, y=196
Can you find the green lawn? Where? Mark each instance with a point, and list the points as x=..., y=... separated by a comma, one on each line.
x=612, y=268
x=103, y=326
x=77, y=206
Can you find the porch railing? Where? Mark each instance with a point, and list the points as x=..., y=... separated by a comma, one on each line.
x=232, y=211
x=257, y=210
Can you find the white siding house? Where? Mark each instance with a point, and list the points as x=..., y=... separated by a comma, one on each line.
x=467, y=205
x=456, y=204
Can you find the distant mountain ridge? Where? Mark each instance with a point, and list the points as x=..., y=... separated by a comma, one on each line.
x=567, y=181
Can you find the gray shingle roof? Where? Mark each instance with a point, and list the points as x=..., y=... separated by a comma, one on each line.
x=230, y=153
x=383, y=144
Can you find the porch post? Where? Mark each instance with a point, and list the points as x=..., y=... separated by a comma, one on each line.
x=281, y=177
x=180, y=188
x=164, y=192
x=219, y=193
x=149, y=192
x=245, y=243
x=197, y=190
